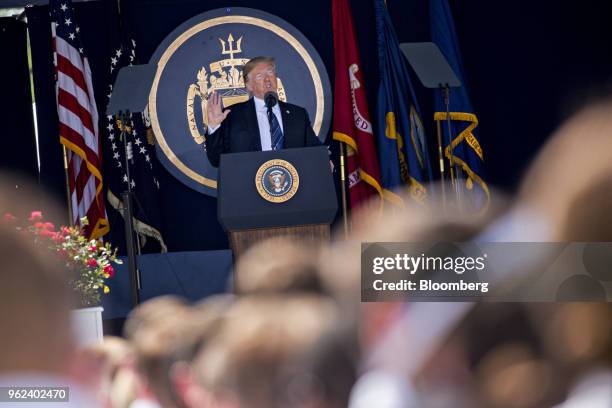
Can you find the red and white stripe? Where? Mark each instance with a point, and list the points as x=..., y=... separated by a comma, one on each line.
x=78, y=128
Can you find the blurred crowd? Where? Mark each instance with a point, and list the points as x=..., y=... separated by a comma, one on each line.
x=294, y=333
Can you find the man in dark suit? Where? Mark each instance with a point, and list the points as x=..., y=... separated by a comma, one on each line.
x=255, y=125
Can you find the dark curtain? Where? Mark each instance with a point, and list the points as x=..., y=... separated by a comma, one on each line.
x=18, y=152
x=51, y=157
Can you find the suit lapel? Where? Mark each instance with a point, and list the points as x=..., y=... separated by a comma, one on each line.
x=288, y=124
x=253, y=125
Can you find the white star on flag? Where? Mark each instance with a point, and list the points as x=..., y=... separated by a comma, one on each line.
x=110, y=127
x=143, y=150
x=68, y=22
x=116, y=155
x=118, y=53
x=147, y=158
x=71, y=36
x=125, y=178
x=133, y=184
x=64, y=7
x=137, y=142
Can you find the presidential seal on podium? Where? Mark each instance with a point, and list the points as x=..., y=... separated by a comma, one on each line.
x=277, y=181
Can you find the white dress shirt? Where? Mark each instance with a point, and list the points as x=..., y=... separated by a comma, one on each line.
x=263, y=123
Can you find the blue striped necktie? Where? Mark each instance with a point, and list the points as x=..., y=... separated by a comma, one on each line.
x=276, y=133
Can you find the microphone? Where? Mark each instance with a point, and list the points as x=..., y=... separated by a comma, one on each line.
x=270, y=99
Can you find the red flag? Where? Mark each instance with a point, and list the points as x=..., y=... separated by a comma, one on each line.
x=78, y=120
x=352, y=124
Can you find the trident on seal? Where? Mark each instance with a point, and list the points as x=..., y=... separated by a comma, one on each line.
x=231, y=51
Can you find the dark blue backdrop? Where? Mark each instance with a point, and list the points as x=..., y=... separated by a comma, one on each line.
x=528, y=65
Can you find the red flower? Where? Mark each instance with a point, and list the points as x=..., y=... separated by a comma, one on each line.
x=46, y=233
x=57, y=237
x=35, y=216
x=92, y=248
x=65, y=231
x=108, y=269
x=49, y=226
x=39, y=225
x=8, y=217
x=92, y=262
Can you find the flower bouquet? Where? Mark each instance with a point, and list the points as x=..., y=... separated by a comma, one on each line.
x=89, y=262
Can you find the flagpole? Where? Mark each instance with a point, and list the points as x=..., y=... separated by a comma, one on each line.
x=441, y=161
x=67, y=181
x=135, y=278
x=453, y=172
x=343, y=189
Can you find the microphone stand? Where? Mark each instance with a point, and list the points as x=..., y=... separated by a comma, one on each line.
x=135, y=281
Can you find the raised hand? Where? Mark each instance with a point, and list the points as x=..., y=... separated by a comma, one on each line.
x=216, y=114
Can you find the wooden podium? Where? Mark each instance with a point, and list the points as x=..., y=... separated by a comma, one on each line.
x=288, y=192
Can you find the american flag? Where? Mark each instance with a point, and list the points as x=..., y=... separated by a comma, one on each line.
x=78, y=120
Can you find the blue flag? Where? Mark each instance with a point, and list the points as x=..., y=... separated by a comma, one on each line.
x=466, y=150
x=402, y=147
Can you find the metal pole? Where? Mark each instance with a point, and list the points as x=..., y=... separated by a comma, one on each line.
x=453, y=170
x=343, y=189
x=136, y=236
x=131, y=253
x=135, y=281
x=441, y=162
x=67, y=180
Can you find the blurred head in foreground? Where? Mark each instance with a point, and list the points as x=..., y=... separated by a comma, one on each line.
x=570, y=181
x=167, y=334
x=279, y=265
x=35, y=300
x=260, y=357
x=107, y=369
x=35, y=304
x=156, y=330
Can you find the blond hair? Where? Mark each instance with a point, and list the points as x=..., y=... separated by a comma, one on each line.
x=260, y=345
x=248, y=67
